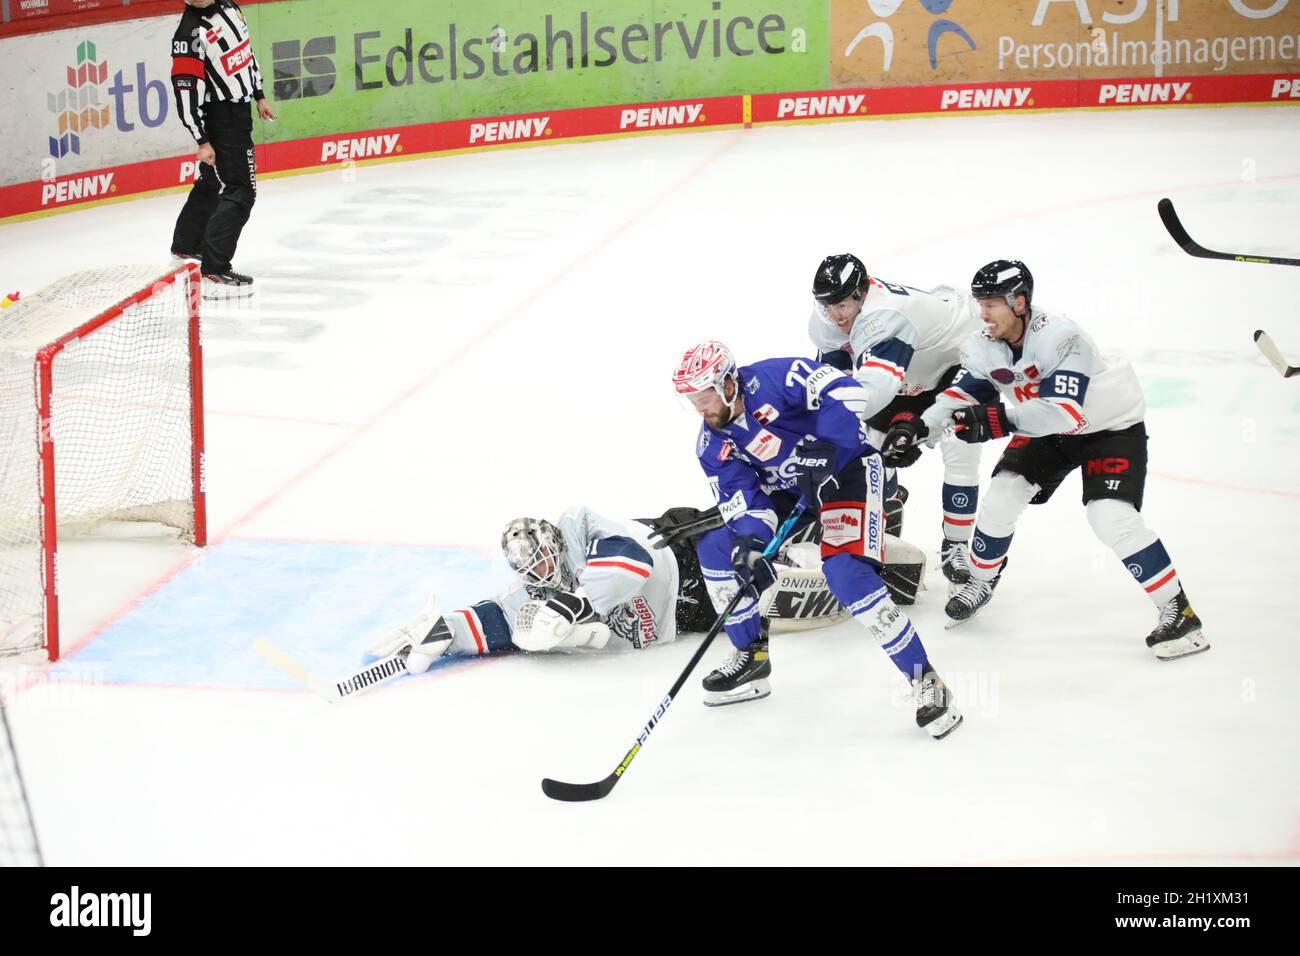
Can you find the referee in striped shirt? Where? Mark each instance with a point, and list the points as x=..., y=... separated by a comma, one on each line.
x=216, y=81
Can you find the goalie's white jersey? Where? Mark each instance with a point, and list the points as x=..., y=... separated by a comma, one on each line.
x=1057, y=383
x=904, y=339
x=631, y=585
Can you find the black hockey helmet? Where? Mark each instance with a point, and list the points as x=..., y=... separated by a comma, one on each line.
x=1006, y=278
x=837, y=278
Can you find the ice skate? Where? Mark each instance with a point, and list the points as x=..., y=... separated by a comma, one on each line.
x=936, y=714
x=954, y=561
x=1179, y=632
x=742, y=676
x=226, y=285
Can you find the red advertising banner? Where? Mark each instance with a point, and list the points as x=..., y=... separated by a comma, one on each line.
x=703, y=113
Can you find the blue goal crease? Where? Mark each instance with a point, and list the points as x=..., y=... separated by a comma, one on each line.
x=322, y=603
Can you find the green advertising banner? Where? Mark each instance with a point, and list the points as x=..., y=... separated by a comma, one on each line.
x=335, y=66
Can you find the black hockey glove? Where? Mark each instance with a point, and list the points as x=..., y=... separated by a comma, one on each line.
x=977, y=423
x=903, y=441
x=814, y=463
x=752, y=569
x=575, y=608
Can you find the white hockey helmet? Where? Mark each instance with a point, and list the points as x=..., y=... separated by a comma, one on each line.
x=534, y=548
x=703, y=367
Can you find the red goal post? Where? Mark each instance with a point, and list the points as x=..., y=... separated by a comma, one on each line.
x=101, y=422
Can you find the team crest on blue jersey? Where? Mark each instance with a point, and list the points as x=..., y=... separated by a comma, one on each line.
x=1003, y=376
x=752, y=385
x=727, y=449
x=766, y=414
x=704, y=443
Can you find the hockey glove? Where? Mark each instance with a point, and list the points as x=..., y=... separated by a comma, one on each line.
x=814, y=463
x=978, y=423
x=574, y=608
x=752, y=569
x=903, y=441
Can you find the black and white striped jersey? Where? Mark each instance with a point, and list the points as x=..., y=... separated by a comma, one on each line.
x=212, y=61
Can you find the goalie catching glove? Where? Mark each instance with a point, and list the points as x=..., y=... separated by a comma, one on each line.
x=565, y=620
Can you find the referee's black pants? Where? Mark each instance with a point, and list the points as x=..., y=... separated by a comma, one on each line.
x=222, y=198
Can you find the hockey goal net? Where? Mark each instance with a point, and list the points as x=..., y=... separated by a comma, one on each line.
x=101, y=422
x=18, y=843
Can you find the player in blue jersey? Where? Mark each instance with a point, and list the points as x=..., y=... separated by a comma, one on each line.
x=772, y=429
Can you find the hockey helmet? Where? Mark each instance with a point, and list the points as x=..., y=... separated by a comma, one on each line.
x=534, y=549
x=703, y=367
x=1005, y=278
x=837, y=278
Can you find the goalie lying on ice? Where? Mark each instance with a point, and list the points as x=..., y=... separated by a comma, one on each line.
x=586, y=579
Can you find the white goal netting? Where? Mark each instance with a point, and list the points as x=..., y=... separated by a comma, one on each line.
x=100, y=391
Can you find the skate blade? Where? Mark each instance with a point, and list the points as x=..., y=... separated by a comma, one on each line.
x=941, y=727
x=951, y=623
x=220, y=293
x=1182, y=647
x=754, y=690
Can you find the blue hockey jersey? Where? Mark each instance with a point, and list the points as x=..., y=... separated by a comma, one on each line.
x=783, y=400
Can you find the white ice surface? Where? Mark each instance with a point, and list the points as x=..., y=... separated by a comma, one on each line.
x=438, y=345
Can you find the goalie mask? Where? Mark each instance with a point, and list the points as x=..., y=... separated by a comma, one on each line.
x=534, y=548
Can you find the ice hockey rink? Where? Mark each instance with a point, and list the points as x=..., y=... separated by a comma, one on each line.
x=439, y=345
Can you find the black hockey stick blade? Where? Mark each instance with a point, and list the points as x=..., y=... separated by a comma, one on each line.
x=1274, y=354
x=1193, y=248
x=578, y=792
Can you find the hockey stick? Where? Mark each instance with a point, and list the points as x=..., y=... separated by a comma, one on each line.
x=1274, y=354
x=581, y=792
x=372, y=675
x=1194, y=248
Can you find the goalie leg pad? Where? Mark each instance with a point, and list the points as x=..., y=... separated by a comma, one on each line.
x=904, y=569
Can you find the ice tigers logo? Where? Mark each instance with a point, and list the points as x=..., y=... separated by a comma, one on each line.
x=634, y=622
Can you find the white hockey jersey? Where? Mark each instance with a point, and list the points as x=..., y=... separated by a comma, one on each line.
x=903, y=341
x=1056, y=383
x=631, y=585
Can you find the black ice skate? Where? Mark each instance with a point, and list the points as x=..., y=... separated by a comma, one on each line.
x=1179, y=632
x=742, y=676
x=954, y=560
x=936, y=714
x=967, y=601
x=226, y=285
x=894, y=512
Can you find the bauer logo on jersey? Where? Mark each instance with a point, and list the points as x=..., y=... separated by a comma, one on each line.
x=1003, y=376
x=841, y=526
x=765, y=446
x=766, y=415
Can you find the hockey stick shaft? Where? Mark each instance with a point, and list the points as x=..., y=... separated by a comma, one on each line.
x=370, y=676
x=1193, y=248
x=581, y=792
